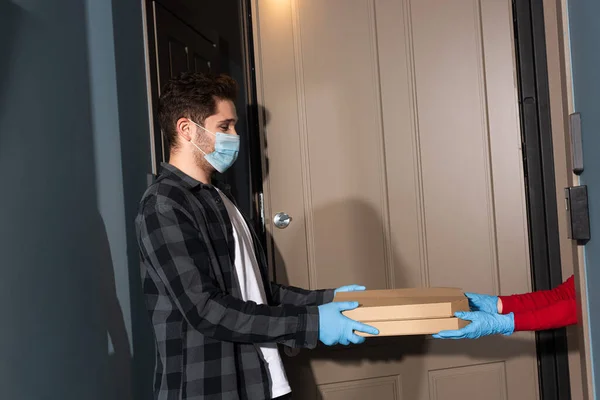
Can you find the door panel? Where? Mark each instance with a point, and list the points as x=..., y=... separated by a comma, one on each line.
x=453, y=144
x=474, y=382
x=394, y=143
x=378, y=388
x=178, y=58
x=189, y=49
x=343, y=151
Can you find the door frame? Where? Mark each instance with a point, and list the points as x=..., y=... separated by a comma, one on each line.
x=257, y=159
x=542, y=205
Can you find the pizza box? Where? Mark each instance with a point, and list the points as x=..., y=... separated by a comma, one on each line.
x=399, y=312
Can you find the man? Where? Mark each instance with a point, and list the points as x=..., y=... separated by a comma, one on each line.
x=217, y=319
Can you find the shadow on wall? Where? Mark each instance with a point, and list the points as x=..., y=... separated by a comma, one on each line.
x=135, y=157
x=10, y=16
x=58, y=282
x=119, y=361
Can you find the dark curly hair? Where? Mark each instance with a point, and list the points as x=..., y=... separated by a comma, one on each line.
x=194, y=96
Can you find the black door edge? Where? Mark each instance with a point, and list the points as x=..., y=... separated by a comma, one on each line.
x=534, y=104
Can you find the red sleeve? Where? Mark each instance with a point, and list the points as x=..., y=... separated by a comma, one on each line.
x=560, y=314
x=540, y=299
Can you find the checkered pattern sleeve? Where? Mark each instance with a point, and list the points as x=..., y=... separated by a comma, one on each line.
x=300, y=297
x=169, y=240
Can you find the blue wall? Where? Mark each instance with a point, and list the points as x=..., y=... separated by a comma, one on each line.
x=73, y=160
x=584, y=27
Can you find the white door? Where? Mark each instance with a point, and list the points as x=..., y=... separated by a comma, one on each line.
x=392, y=138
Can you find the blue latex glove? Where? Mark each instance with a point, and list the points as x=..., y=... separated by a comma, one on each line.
x=483, y=302
x=482, y=324
x=336, y=328
x=350, y=288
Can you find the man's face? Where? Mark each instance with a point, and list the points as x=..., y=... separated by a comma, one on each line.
x=222, y=121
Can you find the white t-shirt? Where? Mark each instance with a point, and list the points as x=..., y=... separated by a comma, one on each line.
x=252, y=288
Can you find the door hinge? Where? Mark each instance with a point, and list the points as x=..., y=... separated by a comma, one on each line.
x=261, y=208
x=578, y=214
x=576, y=143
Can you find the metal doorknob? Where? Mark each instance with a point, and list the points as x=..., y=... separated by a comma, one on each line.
x=282, y=220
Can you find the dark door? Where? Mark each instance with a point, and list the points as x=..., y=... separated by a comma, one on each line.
x=205, y=36
x=180, y=46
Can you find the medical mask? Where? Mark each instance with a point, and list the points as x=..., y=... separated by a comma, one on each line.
x=226, y=151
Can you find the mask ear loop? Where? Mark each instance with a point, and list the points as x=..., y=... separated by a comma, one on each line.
x=203, y=128
x=206, y=130
x=198, y=147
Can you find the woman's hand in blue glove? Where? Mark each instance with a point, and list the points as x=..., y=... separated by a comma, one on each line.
x=482, y=324
x=483, y=302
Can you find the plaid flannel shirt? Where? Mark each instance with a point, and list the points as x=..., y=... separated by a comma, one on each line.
x=205, y=334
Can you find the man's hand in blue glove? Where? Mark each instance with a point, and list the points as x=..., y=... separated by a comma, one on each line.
x=483, y=302
x=336, y=328
x=482, y=324
x=350, y=288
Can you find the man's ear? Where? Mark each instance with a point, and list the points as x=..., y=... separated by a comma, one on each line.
x=184, y=129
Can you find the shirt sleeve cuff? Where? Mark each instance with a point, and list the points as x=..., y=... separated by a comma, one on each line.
x=508, y=304
x=308, y=328
x=520, y=323
x=327, y=296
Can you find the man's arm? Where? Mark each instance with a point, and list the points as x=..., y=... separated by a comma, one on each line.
x=170, y=242
x=300, y=297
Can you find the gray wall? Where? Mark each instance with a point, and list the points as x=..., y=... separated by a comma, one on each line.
x=73, y=157
x=584, y=27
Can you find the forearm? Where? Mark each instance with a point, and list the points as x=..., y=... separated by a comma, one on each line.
x=560, y=314
x=537, y=300
x=182, y=263
x=289, y=295
x=223, y=317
